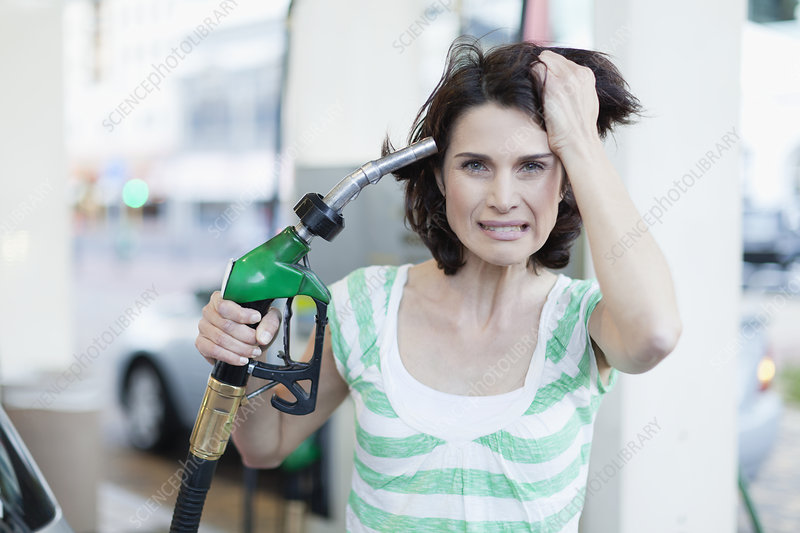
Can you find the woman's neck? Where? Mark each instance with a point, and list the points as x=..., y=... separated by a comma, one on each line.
x=482, y=294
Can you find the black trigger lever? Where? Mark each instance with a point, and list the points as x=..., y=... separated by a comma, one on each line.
x=287, y=320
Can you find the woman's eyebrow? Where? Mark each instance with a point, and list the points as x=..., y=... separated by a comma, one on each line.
x=543, y=155
x=472, y=154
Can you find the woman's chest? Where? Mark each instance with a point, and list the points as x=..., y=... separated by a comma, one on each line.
x=444, y=355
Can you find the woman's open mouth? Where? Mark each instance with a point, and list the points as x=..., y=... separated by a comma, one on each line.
x=504, y=230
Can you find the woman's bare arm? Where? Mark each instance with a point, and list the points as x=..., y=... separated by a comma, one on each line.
x=636, y=324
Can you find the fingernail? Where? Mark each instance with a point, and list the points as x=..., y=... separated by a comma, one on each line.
x=264, y=337
x=244, y=360
x=256, y=352
x=255, y=317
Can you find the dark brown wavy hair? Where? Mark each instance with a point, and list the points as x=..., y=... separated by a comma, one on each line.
x=503, y=76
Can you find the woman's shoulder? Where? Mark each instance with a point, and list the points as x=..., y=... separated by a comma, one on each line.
x=575, y=286
x=370, y=276
x=367, y=284
x=574, y=297
x=360, y=302
x=580, y=284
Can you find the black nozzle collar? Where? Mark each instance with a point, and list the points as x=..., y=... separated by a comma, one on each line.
x=320, y=219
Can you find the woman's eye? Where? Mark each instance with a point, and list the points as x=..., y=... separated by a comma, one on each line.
x=473, y=166
x=532, y=166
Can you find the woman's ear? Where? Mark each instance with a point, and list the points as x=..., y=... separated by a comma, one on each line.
x=437, y=173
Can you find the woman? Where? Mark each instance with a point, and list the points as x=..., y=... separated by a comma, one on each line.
x=476, y=375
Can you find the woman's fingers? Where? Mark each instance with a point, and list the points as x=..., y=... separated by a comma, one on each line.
x=570, y=100
x=227, y=342
x=225, y=333
x=231, y=318
x=214, y=352
x=268, y=326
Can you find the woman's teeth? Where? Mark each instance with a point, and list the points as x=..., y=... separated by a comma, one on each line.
x=503, y=229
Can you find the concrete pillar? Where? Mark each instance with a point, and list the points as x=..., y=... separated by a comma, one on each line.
x=665, y=450
x=36, y=327
x=359, y=69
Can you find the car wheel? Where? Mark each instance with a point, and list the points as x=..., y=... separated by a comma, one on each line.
x=149, y=414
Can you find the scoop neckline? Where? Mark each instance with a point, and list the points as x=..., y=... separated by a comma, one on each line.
x=456, y=416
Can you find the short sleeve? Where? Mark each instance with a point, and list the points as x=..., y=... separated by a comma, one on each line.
x=355, y=316
x=338, y=342
x=591, y=299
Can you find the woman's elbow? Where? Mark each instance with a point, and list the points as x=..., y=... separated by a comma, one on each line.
x=658, y=345
x=258, y=454
x=259, y=459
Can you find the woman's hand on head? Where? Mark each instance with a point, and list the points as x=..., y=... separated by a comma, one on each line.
x=225, y=333
x=570, y=102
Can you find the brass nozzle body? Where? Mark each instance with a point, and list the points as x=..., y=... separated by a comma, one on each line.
x=215, y=419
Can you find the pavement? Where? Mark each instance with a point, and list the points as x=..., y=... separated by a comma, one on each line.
x=137, y=495
x=776, y=491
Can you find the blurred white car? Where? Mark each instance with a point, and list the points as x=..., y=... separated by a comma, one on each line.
x=161, y=377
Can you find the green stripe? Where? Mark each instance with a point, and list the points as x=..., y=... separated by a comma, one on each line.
x=374, y=399
x=365, y=323
x=556, y=346
x=542, y=449
x=398, y=448
x=584, y=366
x=553, y=393
x=381, y=520
x=391, y=276
x=474, y=482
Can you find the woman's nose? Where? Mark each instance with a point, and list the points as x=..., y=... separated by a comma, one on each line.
x=502, y=194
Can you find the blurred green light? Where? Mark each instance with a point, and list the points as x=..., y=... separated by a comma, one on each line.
x=135, y=193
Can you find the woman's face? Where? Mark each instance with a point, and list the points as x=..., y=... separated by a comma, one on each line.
x=502, y=185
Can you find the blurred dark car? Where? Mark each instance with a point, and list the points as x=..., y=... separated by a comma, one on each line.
x=161, y=377
x=760, y=406
x=26, y=502
x=769, y=238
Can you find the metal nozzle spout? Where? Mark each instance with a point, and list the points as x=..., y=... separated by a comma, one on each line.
x=371, y=172
x=349, y=187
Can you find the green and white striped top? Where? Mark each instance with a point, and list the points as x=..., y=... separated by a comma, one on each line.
x=426, y=460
